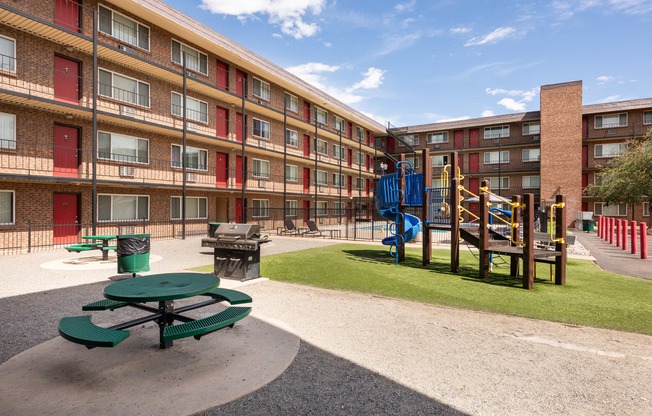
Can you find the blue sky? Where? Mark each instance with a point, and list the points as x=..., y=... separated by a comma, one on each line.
x=417, y=61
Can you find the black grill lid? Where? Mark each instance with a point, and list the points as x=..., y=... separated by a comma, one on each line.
x=239, y=231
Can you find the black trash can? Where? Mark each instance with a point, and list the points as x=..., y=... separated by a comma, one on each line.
x=133, y=253
x=212, y=226
x=587, y=225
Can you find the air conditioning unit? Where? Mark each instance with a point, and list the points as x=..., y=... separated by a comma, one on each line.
x=320, y=189
x=190, y=74
x=191, y=177
x=536, y=137
x=127, y=111
x=127, y=171
x=262, y=183
x=127, y=49
x=126, y=230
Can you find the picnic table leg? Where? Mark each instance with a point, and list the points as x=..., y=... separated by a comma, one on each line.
x=166, y=307
x=105, y=253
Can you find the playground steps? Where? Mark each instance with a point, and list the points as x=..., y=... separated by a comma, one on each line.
x=472, y=236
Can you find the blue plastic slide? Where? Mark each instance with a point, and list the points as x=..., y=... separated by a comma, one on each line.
x=412, y=227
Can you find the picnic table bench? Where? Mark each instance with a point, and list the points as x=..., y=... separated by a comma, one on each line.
x=103, y=245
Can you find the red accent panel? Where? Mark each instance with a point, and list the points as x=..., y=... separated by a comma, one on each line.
x=222, y=75
x=306, y=111
x=66, y=151
x=238, y=127
x=306, y=180
x=474, y=162
x=306, y=145
x=239, y=77
x=221, y=169
x=458, y=138
x=474, y=137
x=66, y=218
x=66, y=80
x=474, y=185
x=585, y=156
x=67, y=13
x=238, y=171
x=222, y=126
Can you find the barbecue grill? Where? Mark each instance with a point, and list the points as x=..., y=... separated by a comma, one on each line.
x=237, y=250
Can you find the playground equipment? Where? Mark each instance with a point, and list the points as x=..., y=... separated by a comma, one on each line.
x=391, y=198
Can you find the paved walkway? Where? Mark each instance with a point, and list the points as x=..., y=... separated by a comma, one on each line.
x=614, y=259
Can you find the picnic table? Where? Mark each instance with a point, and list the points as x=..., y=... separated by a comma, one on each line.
x=163, y=288
x=103, y=244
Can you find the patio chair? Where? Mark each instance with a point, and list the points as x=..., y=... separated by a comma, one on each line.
x=289, y=229
x=313, y=230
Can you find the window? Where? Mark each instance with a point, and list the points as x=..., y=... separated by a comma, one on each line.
x=414, y=161
x=291, y=208
x=123, y=88
x=322, y=116
x=498, y=183
x=261, y=89
x=647, y=117
x=195, y=158
x=291, y=173
x=339, y=124
x=261, y=129
x=261, y=168
x=359, y=183
x=291, y=103
x=7, y=54
x=436, y=183
x=291, y=138
x=322, y=208
x=439, y=160
x=338, y=152
x=597, y=179
x=322, y=147
x=610, y=149
x=338, y=208
x=338, y=180
x=7, y=131
x=7, y=207
x=620, y=210
x=195, y=208
x=530, y=182
x=122, y=207
x=360, y=133
x=646, y=209
x=409, y=139
x=122, y=148
x=531, y=155
x=260, y=208
x=608, y=121
x=359, y=158
x=531, y=128
x=322, y=177
x=491, y=158
x=496, y=132
x=195, y=109
x=195, y=60
x=123, y=28
x=440, y=137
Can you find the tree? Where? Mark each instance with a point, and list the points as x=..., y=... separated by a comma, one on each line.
x=627, y=178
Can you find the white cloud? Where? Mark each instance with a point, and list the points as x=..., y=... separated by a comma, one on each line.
x=373, y=79
x=604, y=79
x=496, y=36
x=277, y=35
x=566, y=9
x=512, y=104
x=516, y=100
x=460, y=30
x=488, y=113
x=288, y=14
x=405, y=7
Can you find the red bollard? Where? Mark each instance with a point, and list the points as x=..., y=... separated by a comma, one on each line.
x=610, y=231
x=623, y=237
x=599, y=225
x=633, y=226
x=643, y=240
x=618, y=232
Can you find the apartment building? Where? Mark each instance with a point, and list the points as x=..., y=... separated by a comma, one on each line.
x=559, y=149
x=127, y=111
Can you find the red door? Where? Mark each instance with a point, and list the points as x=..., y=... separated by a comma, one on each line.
x=66, y=151
x=585, y=156
x=241, y=82
x=306, y=111
x=349, y=156
x=238, y=171
x=222, y=126
x=585, y=206
x=585, y=129
x=221, y=169
x=585, y=182
x=306, y=145
x=238, y=127
x=369, y=163
x=66, y=80
x=350, y=129
x=458, y=138
x=66, y=14
x=222, y=76
x=474, y=137
x=474, y=185
x=306, y=180
x=474, y=162
x=66, y=218
x=460, y=161
x=238, y=211
x=474, y=207
x=349, y=184
x=368, y=186
x=306, y=211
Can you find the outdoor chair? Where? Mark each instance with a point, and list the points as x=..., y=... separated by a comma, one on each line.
x=289, y=229
x=313, y=230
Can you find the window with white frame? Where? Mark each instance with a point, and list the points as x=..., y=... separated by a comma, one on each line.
x=409, y=139
x=195, y=158
x=438, y=137
x=338, y=180
x=439, y=160
x=7, y=131
x=261, y=129
x=322, y=147
x=531, y=155
x=530, y=182
x=436, y=183
x=340, y=125
x=359, y=183
x=646, y=209
x=620, y=210
x=122, y=148
x=338, y=208
x=322, y=177
x=123, y=28
x=291, y=138
x=491, y=158
x=531, y=128
x=195, y=109
x=291, y=208
x=647, y=117
x=322, y=116
x=291, y=173
x=496, y=132
x=7, y=54
x=359, y=158
x=261, y=89
x=360, y=133
x=291, y=102
x=597, y=179
x=498, y=183
x=7, y=207
x=414, y=161
x=260, y=168
x=123, y=88
x=610, y=150
x=114, y=207
x=196, y=208
x=260, y=208
x=195, y=60
x=322, y=208
x=338, y=152
x=610, y=121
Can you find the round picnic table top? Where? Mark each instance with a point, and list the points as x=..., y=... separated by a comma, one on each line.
x=161, y=287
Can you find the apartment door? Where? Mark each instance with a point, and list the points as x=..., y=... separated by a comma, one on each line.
x=349, y=184
x=238, y=211
x=350, y=130
x=474, y=162
x=349, y=157
x=460, y=162
x=222, y=75
x=306, y=111
x=221, y=169
x=585, y=182
x=66, y=218
x=238, y=127
x=306, y=145
x=458, y=138
x=238, y=171
x=66, y=80
x=222, y=123
x=306, y=211
x=222, y=209
x=585, y=156
x=67, y=13
x=241, y=83
x=306, y=180
x=474, y=185
x=66, y=151
x=474, y=137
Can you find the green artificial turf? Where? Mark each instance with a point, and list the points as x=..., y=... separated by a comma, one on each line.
x=590, y=297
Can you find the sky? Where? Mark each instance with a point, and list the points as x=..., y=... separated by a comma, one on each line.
x=415, y=62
